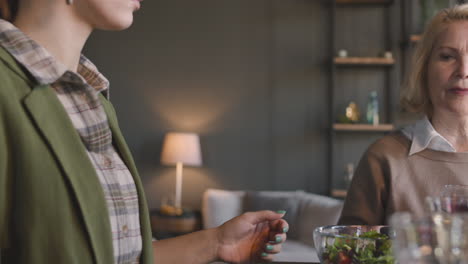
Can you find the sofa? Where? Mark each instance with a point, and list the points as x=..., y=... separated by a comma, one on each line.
x=305, y=212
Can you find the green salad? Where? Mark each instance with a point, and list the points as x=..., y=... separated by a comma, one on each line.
x=346, y=250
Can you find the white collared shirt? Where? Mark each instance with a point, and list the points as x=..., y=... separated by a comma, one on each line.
x=423, y=136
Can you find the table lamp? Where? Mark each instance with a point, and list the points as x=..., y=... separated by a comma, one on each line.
x=181, y=149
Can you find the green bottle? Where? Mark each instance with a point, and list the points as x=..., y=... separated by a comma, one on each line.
x=372, y=114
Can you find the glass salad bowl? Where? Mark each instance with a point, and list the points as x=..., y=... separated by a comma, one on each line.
x=355, y=244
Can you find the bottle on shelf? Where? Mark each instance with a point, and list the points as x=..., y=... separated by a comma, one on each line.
x=372, y=114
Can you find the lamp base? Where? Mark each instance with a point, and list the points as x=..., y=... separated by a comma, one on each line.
x=166, y=226
x=171, y=210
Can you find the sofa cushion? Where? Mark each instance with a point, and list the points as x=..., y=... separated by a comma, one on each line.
x=273, y=200
x=220, y=206
x=314, y=211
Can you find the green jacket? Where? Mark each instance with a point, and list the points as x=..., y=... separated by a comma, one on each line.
x=52, y=207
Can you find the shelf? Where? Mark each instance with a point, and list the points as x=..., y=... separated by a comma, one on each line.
x=415, y=38
x=369, y=2
x=364, y=61
x=363, y=127
x=337, y=193
x=375, y=68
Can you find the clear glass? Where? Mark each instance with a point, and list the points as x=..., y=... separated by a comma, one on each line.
x=453, y=199
x=450, y=190
x=437, y=238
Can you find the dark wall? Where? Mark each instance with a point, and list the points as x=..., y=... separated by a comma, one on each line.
x=249, y=76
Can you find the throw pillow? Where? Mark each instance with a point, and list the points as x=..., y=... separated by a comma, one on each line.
x=315, y=211
x=272, y=200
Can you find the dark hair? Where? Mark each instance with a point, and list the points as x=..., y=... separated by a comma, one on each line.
x=8, y=9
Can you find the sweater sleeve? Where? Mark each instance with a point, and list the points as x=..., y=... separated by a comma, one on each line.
x=367, y=196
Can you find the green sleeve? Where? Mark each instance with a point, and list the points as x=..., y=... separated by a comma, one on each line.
x=5, y=183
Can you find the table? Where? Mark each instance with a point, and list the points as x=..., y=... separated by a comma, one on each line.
x=295, y=262
x=276, y=262
x=167, y=226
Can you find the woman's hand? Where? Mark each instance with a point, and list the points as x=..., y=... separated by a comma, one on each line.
x=251, y=237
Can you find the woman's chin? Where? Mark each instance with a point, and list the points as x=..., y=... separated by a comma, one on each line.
x=457, y=107
x=459, y=111
x=117, y=25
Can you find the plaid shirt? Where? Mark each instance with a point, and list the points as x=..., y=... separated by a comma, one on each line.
x=79, y=94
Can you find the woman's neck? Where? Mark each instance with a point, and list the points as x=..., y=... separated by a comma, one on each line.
x=59, y=31
x=452, y=127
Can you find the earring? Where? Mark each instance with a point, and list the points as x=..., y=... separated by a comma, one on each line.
x=69, y=2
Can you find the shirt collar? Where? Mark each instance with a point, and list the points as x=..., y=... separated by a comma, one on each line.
x=93, y=77
x=423, y=136
x=42, y=65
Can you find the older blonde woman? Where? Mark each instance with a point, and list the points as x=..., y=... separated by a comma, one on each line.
x=398, y=171
x=69, y=189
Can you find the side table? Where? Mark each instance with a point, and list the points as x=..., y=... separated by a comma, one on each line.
x=167, y=226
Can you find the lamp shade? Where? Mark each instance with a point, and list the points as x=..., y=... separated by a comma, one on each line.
x=181, y=147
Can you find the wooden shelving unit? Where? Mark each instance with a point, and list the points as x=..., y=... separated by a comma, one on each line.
x=415, y=38
x=338, y=193
x=346, y=83
x=364, y=127
x=374, y=61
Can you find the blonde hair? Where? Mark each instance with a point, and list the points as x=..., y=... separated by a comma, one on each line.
x=8, y=9
x=415, y=95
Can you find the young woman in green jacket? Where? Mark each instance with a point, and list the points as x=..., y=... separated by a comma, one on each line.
x=69, y=189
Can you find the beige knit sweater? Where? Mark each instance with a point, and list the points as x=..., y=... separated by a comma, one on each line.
x=387, y=180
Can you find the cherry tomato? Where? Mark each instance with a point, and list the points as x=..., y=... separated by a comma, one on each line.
x=343, y=258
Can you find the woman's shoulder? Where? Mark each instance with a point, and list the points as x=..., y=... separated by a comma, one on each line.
x=9, y=66
x=14, y=78
x=394, y=144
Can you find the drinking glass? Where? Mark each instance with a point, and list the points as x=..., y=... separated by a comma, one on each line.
x=447, y=204
x=455, y=198
x=440, y=238
x=413, y=239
